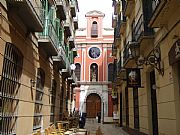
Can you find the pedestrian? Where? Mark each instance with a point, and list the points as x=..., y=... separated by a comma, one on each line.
x=99, y=117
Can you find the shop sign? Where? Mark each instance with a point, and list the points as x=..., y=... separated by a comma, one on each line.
x=174, y=53
x=133, y=77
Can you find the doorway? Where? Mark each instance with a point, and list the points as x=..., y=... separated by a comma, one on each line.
x=127, y=106
x=136, y=108
x=93, y=105
x=153, y=103
x=121, y=120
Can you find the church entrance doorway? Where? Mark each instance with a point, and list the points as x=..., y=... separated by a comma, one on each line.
x=93, y=105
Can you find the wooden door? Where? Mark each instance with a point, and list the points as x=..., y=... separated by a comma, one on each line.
x=93, y=105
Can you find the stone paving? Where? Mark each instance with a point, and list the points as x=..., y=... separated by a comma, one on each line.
x=107, y=129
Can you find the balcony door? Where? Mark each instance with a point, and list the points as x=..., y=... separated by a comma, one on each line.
x=93, y=105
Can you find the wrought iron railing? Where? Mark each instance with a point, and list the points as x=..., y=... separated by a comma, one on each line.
x=115, y=71
x=142, y=29
x=119, y=65
x=155, y=4
x=62, y=53
x=126, y=54
x=49, y=32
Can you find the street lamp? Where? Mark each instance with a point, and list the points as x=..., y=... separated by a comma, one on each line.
x=134, y=49
x=153, y=59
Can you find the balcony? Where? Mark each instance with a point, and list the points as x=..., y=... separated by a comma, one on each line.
x=162, y=9
x=67, y=29
x=73, y=7
x=73, y=78
x=122, y=22
x=129, y=7
x=114, y=50
x=114, y=20
x=61, y=9
x=67, y=71
x=128, y=55
x=121, y=75
x=142, y=33
x=48, y=39
x=117, y=33
x=75, y=21
x=71, y=43
x=60, y=60
x=30, y=12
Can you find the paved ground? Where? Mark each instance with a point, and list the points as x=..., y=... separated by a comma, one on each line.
x=107, y=129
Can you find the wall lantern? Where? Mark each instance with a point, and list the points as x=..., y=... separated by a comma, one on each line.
x=32, y=83
x=134, y=49
x=153, y=59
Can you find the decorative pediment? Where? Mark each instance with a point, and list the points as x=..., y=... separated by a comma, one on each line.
x=95, y=13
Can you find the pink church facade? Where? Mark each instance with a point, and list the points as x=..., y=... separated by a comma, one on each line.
x=94, y=67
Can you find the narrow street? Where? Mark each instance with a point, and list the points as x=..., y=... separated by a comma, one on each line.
x=107, y=129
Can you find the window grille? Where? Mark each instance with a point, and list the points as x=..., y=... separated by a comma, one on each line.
x=38, y=101
x=9, y=88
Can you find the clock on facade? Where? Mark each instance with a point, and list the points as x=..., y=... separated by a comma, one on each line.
x=94, y=52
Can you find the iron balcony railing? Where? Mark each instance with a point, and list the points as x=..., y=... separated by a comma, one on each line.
x=142, y=29
x=114, y=49
x=49, y=32
x=126, y=54
x=117, y=29
x=68, y=67
x=155, y=4
x=115, y=71
x=119, y=66
x=62, y=53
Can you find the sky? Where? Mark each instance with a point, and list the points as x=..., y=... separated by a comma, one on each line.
x=104, y=6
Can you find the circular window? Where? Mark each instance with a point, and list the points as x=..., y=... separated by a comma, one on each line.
x=94, y=52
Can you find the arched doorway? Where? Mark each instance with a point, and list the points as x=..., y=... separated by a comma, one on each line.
x=93, y=105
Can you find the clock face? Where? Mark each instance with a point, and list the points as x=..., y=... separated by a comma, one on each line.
x=94, y=52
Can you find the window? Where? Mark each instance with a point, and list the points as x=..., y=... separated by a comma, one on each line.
x=53, y=100
x=94, y=29
x=110, y=71
x=39, y=95
x=94, y=72
x=78, y=71
x=9, y=87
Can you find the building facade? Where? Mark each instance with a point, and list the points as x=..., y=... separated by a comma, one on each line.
x=147, y=41
x=94, y=66
x=36, y=51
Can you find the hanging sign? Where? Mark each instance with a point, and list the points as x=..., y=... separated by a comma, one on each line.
x=133, y=77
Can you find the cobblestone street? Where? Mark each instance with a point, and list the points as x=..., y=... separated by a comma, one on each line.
x=107, y=129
